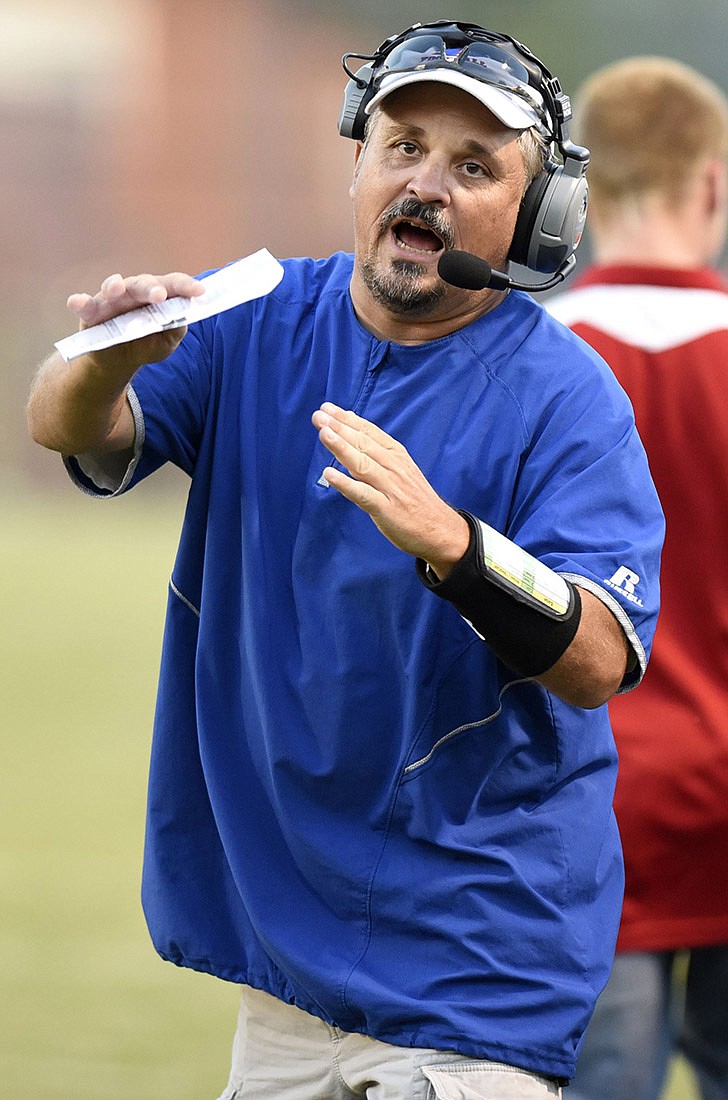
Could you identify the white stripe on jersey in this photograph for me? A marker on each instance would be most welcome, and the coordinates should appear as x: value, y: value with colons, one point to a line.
x: 651, y: 317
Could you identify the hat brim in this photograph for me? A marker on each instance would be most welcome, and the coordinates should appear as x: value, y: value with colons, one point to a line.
x: 513, y: 111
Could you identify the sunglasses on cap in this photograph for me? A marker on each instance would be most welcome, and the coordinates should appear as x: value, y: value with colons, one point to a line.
x: 485, y: 60
x: 481, y: 60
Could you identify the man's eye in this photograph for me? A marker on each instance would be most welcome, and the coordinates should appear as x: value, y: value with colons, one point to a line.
x: 473, y: 169
x: 407, y: 147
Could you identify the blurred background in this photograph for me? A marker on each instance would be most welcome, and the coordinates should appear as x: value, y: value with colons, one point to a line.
x: 153, y: 135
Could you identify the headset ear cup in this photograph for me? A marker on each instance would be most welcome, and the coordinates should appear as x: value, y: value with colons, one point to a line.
x: 551, y: 219
x: 527, y: 215
x: 357, y: 93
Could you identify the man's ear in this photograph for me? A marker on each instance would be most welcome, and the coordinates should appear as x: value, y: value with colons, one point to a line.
x: 717, y: 186
x: 711, y: 210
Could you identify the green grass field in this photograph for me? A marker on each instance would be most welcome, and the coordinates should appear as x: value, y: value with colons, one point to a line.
x: 88, y: 1011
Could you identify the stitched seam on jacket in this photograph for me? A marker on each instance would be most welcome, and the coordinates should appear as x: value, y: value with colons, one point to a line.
x: 183, y: 598
x: 466, y: 726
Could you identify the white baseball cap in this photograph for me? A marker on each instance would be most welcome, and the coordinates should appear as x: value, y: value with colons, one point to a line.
x: 516, y: 110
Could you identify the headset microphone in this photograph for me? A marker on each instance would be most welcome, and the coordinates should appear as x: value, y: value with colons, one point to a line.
x: 469, y: 272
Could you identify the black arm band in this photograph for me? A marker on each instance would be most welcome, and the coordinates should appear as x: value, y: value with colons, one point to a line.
x: 527, y: 614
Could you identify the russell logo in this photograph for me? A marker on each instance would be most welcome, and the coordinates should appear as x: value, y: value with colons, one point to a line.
x: 625, y: 581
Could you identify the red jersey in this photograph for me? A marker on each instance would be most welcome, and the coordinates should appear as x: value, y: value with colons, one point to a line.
x: 664, y: 332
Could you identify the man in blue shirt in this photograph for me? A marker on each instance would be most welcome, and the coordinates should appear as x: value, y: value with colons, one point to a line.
x: 382, y: 769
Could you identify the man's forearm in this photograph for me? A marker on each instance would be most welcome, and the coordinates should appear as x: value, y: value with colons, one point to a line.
x: 80, y: 406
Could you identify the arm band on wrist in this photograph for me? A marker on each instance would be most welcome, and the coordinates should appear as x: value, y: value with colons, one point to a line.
x: 524, y: 611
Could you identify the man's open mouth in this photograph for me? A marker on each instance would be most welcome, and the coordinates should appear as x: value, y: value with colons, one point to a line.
x: 415, y: 237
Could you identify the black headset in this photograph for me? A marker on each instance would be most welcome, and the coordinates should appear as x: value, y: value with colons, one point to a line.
x: 553, y: 211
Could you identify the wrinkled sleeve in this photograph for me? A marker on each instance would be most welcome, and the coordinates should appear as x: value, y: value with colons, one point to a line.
x: 169, y: 402
x: 585, y: 503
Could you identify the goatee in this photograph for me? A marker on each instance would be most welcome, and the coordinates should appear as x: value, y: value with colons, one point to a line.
x: 400, y: 288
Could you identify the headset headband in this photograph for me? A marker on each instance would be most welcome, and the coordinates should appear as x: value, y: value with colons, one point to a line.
x: 557, y: 104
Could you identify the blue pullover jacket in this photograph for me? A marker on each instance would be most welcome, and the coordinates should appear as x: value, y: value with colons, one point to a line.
x: 352, y: 804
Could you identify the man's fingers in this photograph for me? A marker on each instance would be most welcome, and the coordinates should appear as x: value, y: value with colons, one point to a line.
x: 360, y: 464
x: 113, y: 286
x: 77, y: 302
x: 358, y: 443
x: 155, y: 288
x: 346, y: 419
x: 361, y: 493
x: 119, y: 295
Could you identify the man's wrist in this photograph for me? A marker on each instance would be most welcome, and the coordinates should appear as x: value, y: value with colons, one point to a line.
x: 440, y: 565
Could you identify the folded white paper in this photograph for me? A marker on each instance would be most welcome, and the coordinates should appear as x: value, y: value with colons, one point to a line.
x: 249, y: 278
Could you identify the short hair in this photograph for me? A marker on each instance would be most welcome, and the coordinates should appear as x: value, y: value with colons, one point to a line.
x: 535, y: 147
x: 650, y: 124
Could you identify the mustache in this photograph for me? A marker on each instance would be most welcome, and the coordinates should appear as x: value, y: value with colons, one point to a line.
x: 429, y: 215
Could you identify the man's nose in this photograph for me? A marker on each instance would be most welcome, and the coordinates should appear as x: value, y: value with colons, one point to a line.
x: 430, y: 183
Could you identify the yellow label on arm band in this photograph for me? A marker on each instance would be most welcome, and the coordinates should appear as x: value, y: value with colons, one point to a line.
x: 520, y: 572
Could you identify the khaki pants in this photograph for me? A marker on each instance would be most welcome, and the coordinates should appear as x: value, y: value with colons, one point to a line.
x: 282, y: 1053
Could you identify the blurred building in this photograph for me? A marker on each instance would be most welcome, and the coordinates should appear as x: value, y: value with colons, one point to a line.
x: 155, y: 135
